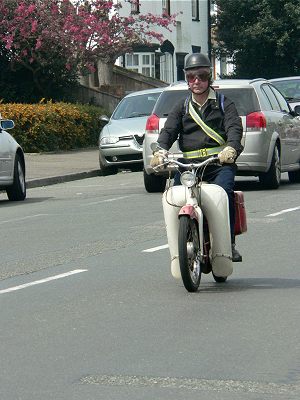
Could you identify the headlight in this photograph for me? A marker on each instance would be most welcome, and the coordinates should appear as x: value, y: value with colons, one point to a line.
x: 188, y: 179
x: 109, y: 140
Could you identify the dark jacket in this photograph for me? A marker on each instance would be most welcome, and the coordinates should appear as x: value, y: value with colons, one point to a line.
x: 180, y: 125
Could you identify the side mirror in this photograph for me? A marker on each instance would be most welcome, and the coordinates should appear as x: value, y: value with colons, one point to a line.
x: 104, y: 118
x: 7, y: 124
x: 297, y: 110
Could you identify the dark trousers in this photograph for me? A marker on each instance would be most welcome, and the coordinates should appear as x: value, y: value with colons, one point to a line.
x: 224, y: 177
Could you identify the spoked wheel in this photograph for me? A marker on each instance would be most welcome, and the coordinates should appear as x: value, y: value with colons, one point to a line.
x: 220, y: 279
x: 189, y: 251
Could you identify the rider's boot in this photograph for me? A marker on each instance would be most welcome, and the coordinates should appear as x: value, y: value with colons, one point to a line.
x: 236, y: 256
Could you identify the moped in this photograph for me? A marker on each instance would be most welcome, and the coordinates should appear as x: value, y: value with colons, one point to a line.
x: 197, y: 223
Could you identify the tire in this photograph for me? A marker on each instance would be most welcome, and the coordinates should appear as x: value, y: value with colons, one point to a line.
x: 188, y: 247
x: 17, y: 191
x: 154, y: 183
x: 104, y: 170
x: 136, y: 167
x: 294, y: 176
x: 220, y: 279
x: 271, y: 179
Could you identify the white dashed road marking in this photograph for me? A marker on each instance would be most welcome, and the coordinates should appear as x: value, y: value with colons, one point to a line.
x: 153, y: 249
x: 23, y: 218
x: 51, y: 278
x: 284, y: 211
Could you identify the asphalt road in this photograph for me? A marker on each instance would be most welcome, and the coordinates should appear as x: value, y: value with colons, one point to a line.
x: 89, y: 309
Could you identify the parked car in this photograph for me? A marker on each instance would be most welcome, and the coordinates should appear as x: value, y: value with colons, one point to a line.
x: 290, y: 88
x: 271, y: 131
x: 12, y: 164
x: 121, y: 139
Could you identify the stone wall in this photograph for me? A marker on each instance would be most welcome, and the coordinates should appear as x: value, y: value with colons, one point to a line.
x: 125, y: 81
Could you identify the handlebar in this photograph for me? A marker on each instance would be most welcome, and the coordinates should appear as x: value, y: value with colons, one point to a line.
x: 212, y: 159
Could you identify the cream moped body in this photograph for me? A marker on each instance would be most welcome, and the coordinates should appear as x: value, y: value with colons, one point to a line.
x: 206, y: 201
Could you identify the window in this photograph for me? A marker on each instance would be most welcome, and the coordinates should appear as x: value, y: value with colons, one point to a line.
x: 144, y: 63
x: 166, y: 7
x: 266, y: 90
x: 195, y: 10
x: 281, y: 100
x: 135, y: 7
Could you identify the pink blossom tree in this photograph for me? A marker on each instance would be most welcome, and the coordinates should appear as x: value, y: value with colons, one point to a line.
x: 63, y: 37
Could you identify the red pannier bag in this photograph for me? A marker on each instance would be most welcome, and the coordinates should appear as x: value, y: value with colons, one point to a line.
x: 240, y: 225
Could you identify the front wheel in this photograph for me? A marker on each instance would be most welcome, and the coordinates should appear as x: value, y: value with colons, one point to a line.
x: 107, y: 170
x: 189, y: 252
x: 294, y: 176
x: 17, y: 191
x: 154, y: 183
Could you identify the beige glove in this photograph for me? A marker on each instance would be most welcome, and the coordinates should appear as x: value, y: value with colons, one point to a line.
x: 227, y: 155
x: 158, y: 158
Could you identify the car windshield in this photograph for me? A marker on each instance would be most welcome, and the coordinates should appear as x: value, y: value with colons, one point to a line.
x: 289, y: 88
x: 135, y: 106
x: 244, y: 99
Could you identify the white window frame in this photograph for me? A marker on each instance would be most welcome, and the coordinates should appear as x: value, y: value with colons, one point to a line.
x: 165, y: 6
x: 195, y: 10
x: 135, y: 8
x: 142, y: 66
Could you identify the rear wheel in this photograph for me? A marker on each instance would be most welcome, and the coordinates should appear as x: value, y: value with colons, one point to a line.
x: 189, y: 251
x: 17, y: 191
x: 271, y: 179
x: 154, y: 183
x: 294, y: 176
x: 220, y: 279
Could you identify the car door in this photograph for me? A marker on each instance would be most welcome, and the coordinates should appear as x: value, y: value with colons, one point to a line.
x: 291, y: 133
x: 278, y: 123
x: 6, y: 156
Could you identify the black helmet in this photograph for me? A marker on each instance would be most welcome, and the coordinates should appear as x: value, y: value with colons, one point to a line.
x: 196, y: 60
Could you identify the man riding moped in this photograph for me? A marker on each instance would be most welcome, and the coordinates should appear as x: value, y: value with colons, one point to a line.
x: 205, y: 124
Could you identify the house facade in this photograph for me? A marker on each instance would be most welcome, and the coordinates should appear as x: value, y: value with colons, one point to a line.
x: 192, y: 33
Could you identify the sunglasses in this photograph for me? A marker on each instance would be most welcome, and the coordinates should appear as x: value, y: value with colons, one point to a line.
x: 191, y: 76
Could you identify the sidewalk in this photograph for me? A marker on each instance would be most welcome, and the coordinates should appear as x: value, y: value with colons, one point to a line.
x: 49, y: 168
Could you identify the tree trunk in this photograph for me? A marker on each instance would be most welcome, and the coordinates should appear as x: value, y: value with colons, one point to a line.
x: 105, y: 74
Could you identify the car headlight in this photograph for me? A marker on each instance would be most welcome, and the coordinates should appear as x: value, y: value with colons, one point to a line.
x: 188, y: 179
x: 109, y: 140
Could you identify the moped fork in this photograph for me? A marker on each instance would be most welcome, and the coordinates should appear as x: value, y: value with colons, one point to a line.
x: 195, y: 212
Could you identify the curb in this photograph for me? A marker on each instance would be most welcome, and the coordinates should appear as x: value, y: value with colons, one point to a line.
x: 52, y: 180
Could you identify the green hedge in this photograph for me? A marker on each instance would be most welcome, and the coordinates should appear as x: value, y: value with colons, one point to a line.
x: 54, y: 126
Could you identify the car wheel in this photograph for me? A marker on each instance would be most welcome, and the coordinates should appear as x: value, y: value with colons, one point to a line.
x: 17, y: 191
x: 136, y: 167
x: 271, y: 179
x: 105, y: 170
x: 154, y: 183
x: 294, y: 176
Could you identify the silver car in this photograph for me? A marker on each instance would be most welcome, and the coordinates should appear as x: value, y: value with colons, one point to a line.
x: 121, y: 140
x: 290, y: 88
x: 12, y: 164
x: 271, y: 131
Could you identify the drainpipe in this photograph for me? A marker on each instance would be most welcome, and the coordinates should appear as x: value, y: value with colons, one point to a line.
x: 208, y: 29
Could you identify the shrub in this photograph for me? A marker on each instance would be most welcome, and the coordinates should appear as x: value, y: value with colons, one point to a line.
x: 54, y: 126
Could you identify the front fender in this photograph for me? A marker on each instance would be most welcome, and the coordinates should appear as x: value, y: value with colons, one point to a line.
x: 188, y: 210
